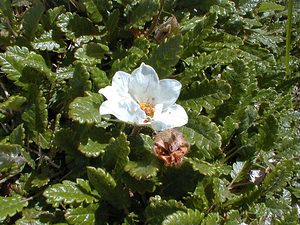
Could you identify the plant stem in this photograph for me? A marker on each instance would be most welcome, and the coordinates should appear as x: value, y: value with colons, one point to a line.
x: 288, y: 39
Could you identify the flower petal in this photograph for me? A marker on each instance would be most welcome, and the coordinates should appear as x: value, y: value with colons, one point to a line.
x: 119, y: 88
x: 110, y: 92
x: 168, y: 93
x: 125, y: 110
x: 120, y: 81
x: 143, y: 83
x: 174, y: 116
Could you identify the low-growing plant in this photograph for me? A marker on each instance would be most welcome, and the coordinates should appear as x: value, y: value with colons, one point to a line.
x: 62, y: 162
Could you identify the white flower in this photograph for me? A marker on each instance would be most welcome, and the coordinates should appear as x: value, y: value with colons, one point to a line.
x: 142, y: 99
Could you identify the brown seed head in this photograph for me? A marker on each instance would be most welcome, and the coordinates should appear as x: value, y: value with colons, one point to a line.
x: 170, y: 147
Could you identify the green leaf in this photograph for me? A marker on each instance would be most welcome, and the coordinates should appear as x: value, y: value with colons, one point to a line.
x: 92, y: 10
x: 13, y: 103
x: 142, y: 170
x: 16, y: 60
x: 107, y: 187
x: 220, y: 41
x: 41, y: 179
x: 10, y: 159
x: 68, y: 193
x: 140, y: 186
x: 86, y: 109
x: 166, y: 56
x: 239, y: 171
x: 99, y: 78
x: 101, y: 180
x: 6, y: 9
x: 197, y: 30
x: 32, y: 18
x: 49, y: 19
x: 133, y: 56
x: 143, y: 12
x: 268, y: 133
x: 9, y: 206
x: 35, y: 116
x: 91, y: 53
x: 45, y: 42
x: 80, y: 81
x: 116, y: 153
x: 184, y: 218
x: 159, y: 209
x: 75, y: 26
x: 198, y: 198
x: 221, y: 191
x: 212, y: 219
x: 209, y: 169
x: 113, y: 22
x: 269, y: 6
x: 278, y: 177
x: 92, y: 148
x: 208, y: 94
x: 204, y: 134
x: 81, y: 215
x: 17, y: 136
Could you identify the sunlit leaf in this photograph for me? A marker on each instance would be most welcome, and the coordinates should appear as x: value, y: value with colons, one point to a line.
x: 9, y: 206
x: 46, y: 42
x: 67, y: 192
x: 270, y: 6
x: 86, y: 109
x: 81, y: 215
x: 189, y: 217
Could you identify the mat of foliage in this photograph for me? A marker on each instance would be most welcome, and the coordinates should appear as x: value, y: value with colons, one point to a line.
x: 62, y: 163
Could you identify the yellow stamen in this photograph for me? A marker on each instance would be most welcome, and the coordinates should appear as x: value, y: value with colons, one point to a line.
x: 148, y: 109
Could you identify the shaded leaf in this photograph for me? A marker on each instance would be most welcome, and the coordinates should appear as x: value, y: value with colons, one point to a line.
x: 17, y: 136
x: 166, y: 56
x: 31, y: 19
x: 143, y: 12
x: 35, y: 116
x: 80, y: 81
x: 116, y: 153
x: 133, y: 56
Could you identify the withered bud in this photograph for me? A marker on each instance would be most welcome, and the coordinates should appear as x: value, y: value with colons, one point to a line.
x: 170, y: 147
x: 166, y: 30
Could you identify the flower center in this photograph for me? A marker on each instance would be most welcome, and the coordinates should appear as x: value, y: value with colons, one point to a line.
x: 148, y: 109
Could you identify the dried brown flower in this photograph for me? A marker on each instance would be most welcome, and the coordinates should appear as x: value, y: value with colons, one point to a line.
x: 166, y: 30
x: 170, y: 147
